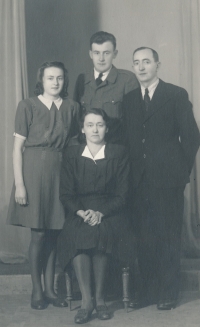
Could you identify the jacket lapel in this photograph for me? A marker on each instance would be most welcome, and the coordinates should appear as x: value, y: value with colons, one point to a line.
x: 159, y: 99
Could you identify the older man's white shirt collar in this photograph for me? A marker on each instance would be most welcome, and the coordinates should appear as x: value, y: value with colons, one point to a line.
x: 100, y: 154
x: 151, y: 88
x: 48, y: 103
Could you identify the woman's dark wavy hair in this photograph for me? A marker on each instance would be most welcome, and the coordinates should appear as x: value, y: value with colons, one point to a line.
x: 95, y: 111
x: 39, y: 89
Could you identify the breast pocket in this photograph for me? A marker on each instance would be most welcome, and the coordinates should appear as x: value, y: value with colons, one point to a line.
x: 113, y: 106
x: 85, y: 102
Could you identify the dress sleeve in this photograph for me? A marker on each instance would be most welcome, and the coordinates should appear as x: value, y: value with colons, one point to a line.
x: 119, y: 199
x: 68, y: 192
x: 23, y: 118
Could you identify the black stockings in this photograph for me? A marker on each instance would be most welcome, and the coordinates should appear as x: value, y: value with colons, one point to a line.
x: 42, y: 256
x: 85, y: 264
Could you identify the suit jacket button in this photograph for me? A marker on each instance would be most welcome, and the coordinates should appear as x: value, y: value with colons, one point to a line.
x: 144, y: 156
x: 143, y: 140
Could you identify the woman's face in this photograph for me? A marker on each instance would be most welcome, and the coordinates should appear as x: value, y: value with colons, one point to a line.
x: 94, y: 128
x: 53, y: 81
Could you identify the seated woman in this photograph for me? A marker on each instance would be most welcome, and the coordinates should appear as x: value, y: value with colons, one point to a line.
x: 93, y: 191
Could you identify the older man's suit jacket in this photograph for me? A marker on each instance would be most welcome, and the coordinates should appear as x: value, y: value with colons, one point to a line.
x: 162, y: 141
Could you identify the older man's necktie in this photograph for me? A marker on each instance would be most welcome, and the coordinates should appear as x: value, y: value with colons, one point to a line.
x: 98, y: 79
x: 146, y: 99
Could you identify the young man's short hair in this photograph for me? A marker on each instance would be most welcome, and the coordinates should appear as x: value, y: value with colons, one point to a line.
x: 101, y: 37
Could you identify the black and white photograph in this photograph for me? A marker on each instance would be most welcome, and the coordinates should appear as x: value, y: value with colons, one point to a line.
x: 100, y: 163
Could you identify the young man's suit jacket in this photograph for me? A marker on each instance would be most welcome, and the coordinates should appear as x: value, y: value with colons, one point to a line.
x: 162, y: 141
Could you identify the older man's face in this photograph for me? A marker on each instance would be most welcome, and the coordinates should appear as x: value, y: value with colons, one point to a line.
x: 145, y: 67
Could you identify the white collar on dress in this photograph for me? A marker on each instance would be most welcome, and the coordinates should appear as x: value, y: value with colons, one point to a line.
x: 100, y: 154
x: 48, y: 103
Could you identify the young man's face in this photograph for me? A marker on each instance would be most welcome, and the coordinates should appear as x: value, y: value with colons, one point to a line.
x: 145, y: 67
x: 102, y: 56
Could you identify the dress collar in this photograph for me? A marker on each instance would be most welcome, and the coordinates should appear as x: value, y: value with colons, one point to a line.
x: 48, y: 103
x: 100, y: 154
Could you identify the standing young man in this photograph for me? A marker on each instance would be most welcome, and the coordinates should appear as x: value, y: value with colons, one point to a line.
x: 163, y: 139
x: 105, y: 86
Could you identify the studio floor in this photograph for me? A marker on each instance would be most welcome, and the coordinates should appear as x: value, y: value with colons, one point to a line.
x: 15, y: 311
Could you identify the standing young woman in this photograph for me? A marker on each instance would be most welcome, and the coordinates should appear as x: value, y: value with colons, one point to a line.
x: 93, y: 191
x: 43, y: 127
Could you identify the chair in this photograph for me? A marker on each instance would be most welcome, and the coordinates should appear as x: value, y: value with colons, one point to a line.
x: 125, y: 286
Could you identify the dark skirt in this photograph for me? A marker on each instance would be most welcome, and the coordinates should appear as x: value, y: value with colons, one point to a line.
x: 113, y: 236
x: 41, y: 172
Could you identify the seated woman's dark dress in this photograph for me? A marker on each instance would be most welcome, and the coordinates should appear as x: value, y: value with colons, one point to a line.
x: 100, y: 185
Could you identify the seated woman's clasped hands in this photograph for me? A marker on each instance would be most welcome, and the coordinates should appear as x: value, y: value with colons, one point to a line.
x: 90, y: 217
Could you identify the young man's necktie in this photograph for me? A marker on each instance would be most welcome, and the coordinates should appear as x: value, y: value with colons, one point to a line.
x: 98, y: 79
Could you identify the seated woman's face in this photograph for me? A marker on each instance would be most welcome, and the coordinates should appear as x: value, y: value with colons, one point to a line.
x: 94, y: 128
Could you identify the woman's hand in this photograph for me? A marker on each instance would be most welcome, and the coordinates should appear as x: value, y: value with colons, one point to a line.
x: 93, y: 217
x: 90, y: 217
x: 20, y: 192
x: 21, y: 195
x: 100, y: 216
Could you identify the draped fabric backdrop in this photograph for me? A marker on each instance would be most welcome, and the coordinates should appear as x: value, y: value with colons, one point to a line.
x: 190, y: 79
x: 13, y: 87
x: 60, y: 30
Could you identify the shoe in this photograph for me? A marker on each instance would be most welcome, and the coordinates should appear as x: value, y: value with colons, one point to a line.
x: 138, y: 303
x: 82, y: 316
x: 102, y: 312
x: 57, y: 302
x: 38, y: 304
x: 166, y: 305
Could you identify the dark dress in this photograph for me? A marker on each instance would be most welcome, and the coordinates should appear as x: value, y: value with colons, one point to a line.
x: 47, y: 132
x: 100, y: 185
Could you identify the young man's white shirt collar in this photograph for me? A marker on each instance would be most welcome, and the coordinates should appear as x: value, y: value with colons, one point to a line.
x: 151, y: 88
x: 105, y: 74
x: 100, y: 154
x: 48, y: 102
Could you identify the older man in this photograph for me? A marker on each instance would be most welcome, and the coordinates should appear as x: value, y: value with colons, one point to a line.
x: 163, y: 139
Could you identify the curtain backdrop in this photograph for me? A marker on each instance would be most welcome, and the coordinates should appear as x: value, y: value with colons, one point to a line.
x: 13, y: 87
x: 172, y: 27
x: 190, y: 79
